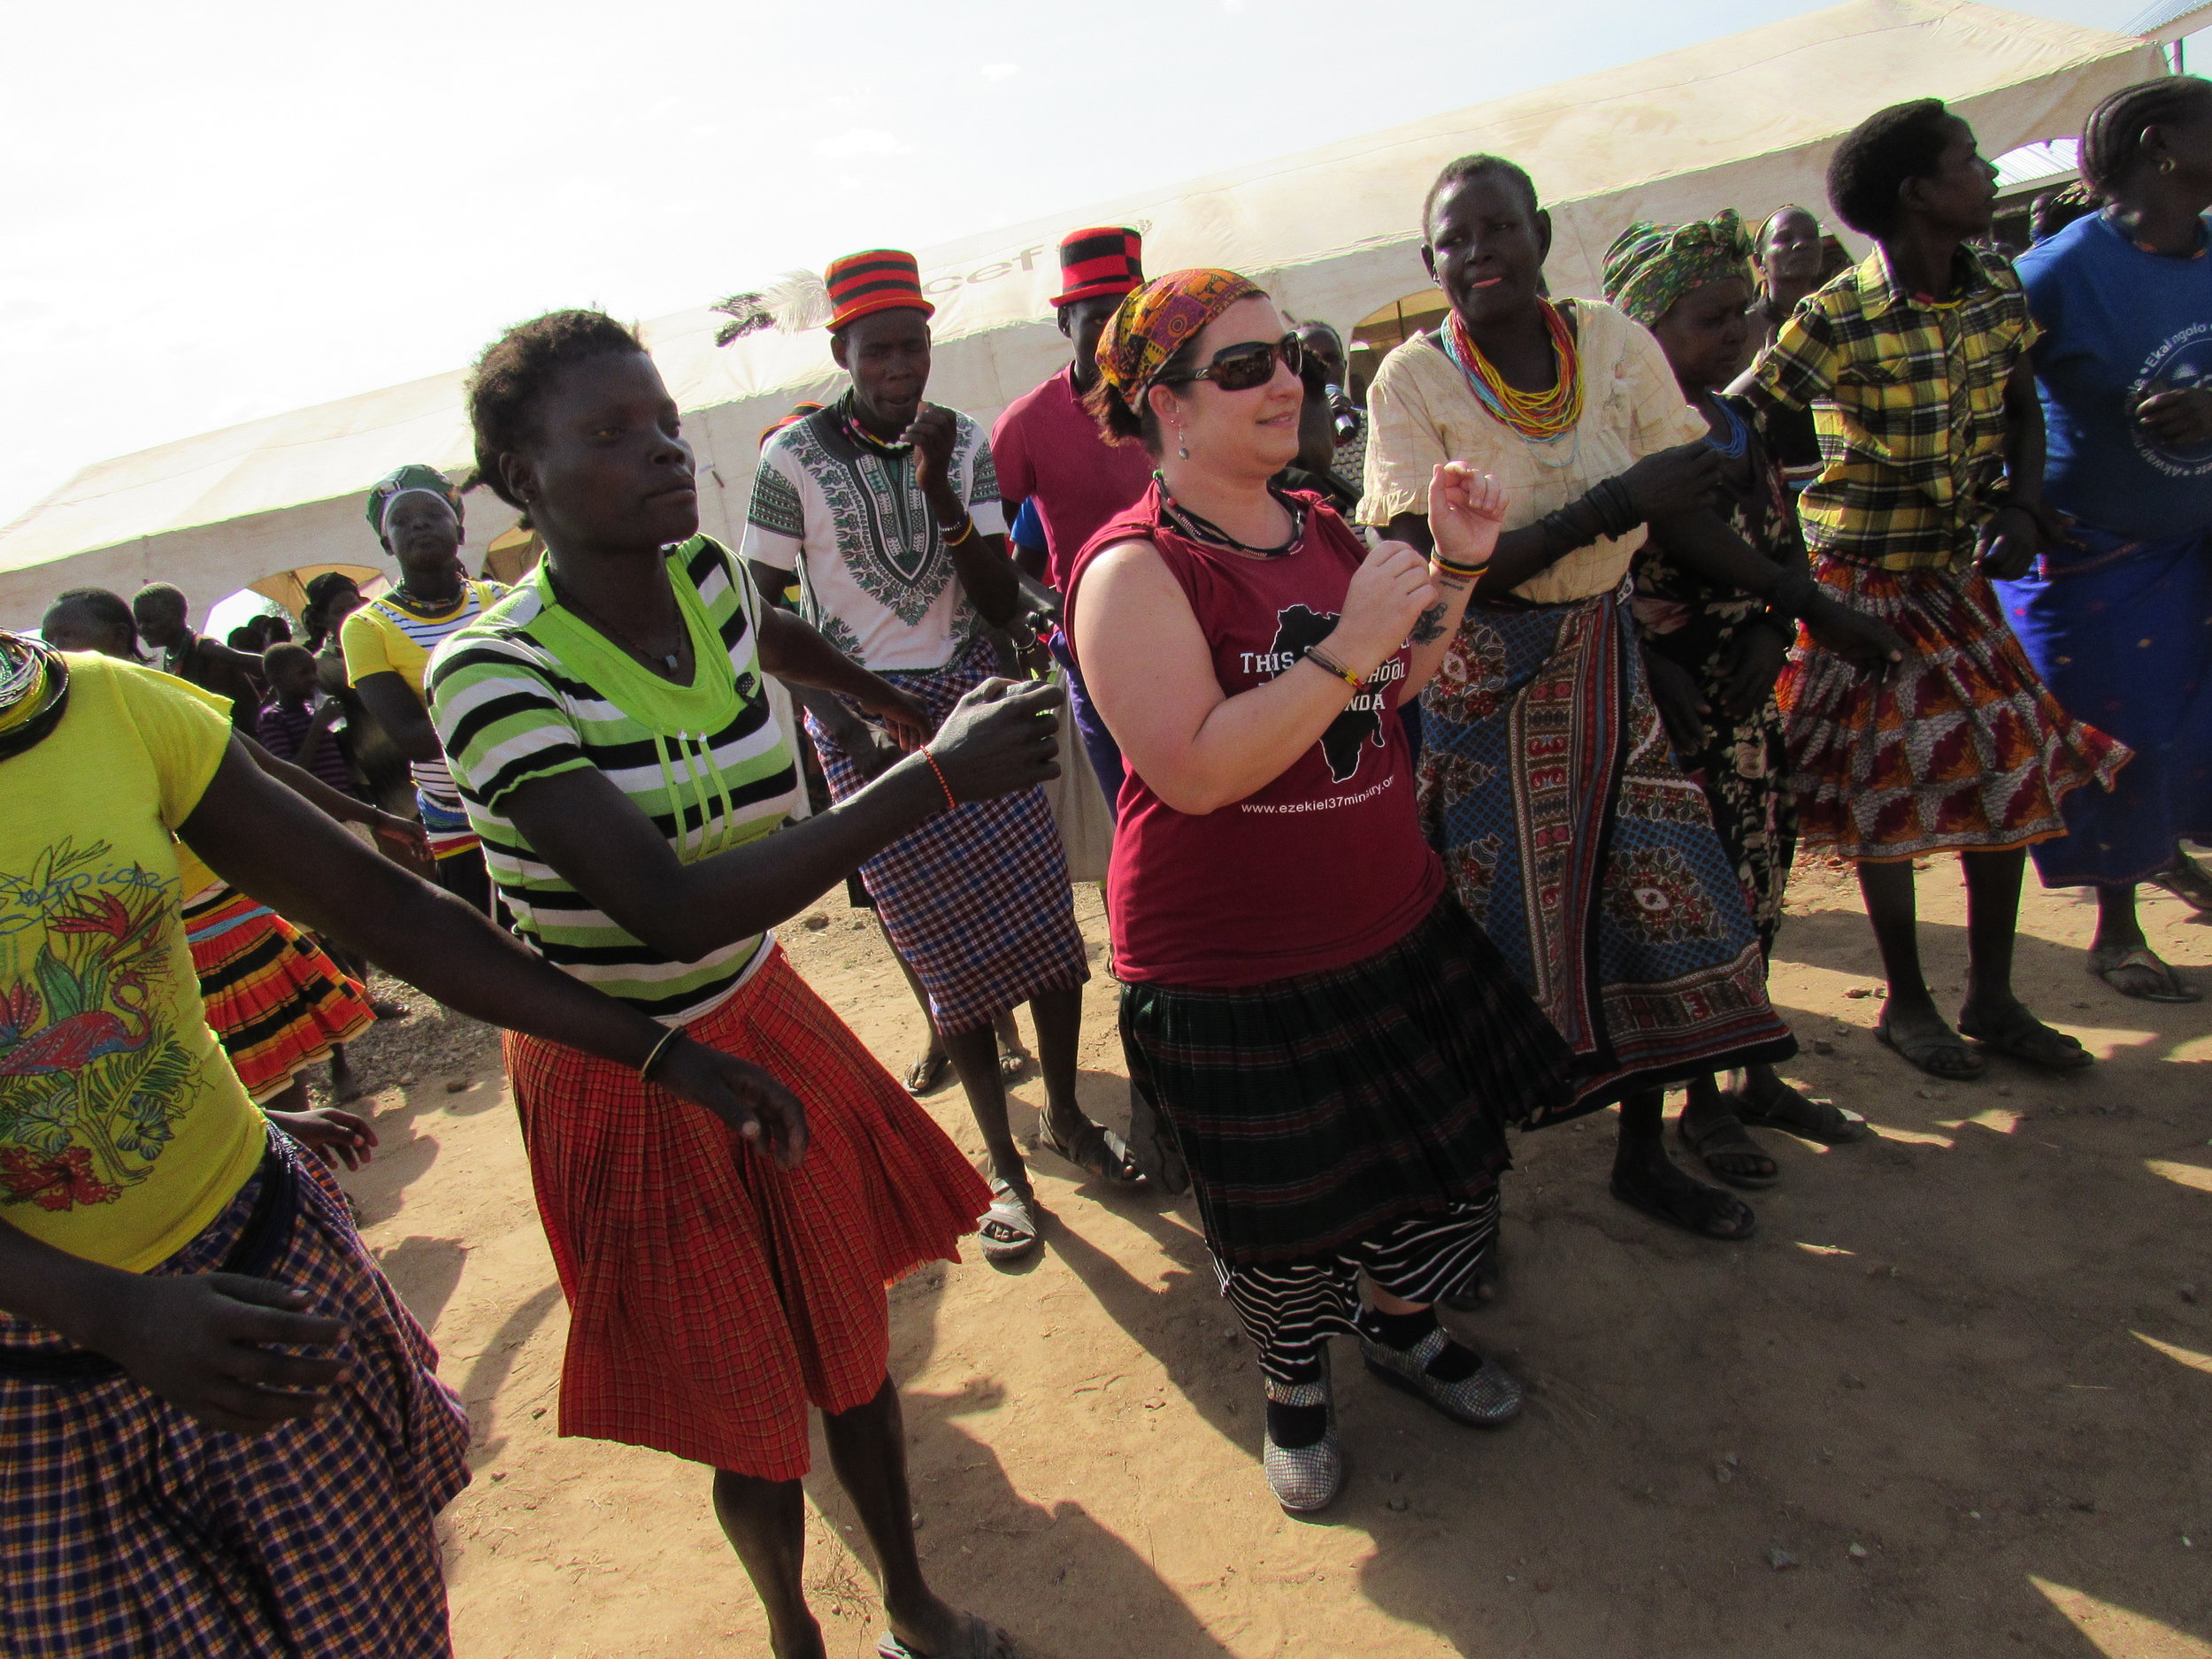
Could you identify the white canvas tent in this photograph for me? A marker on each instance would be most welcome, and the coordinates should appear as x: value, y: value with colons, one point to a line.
x: 1746, y: 121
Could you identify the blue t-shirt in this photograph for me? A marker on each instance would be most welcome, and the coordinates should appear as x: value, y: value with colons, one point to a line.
x: 1028, y: 529
x: 2119, y: 324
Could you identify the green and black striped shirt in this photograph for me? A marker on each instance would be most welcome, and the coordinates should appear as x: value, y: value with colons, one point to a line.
x: 530, y: 690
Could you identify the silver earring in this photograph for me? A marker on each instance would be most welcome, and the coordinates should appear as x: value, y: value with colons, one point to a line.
x: 1181, y: 448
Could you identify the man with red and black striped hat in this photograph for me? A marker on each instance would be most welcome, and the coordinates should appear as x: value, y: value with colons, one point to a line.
x: 887, y: 508
x: 1051, y: 453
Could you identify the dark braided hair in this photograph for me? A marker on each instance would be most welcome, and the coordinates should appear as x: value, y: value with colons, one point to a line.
x: 1871, y: 165
x: 515, y: 369
x: 1479, y: 167
x: 2112, y: 139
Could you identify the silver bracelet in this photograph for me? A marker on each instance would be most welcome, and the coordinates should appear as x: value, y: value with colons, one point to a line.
x: 645, y: 1071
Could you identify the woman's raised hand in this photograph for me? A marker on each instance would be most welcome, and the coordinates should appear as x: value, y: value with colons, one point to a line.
x: 1466, y: 512
x: 999, y: 738
x: 1389, y: 591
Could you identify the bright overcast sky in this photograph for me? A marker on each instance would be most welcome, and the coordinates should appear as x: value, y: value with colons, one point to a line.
x: 216, y: 212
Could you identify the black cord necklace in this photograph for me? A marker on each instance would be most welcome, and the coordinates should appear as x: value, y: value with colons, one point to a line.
x: 1199, y: 528
x: 655, y: 660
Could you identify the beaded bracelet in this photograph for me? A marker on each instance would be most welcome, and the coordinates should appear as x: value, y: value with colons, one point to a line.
x: 966, y: 529
x: 1328, y: 665
x: 952, y: 802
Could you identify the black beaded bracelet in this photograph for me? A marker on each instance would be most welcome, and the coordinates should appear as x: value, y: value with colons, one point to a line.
x: 1616, y: 507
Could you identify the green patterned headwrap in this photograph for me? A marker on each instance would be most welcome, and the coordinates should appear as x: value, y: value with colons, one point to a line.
x: 1650, y: 267
x: 406, y: 481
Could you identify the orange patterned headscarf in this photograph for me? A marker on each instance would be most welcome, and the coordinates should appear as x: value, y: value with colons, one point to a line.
x: 1154, y: 321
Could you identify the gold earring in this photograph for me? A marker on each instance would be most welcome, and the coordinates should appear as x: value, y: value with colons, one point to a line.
x: 2166, y: 164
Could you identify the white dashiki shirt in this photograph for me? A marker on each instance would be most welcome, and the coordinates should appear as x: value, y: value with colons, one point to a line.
x: 845, y: 510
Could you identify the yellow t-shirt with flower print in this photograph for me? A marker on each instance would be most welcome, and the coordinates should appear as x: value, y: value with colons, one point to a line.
x: 123, y: 1129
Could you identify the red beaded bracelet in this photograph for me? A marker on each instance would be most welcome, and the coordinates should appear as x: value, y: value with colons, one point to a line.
x: 952, y: 802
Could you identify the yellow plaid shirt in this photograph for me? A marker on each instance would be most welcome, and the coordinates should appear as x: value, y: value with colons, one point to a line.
x: 1907, y: 397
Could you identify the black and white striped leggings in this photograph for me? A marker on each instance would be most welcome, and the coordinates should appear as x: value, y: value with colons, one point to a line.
x: 1290, y: 1309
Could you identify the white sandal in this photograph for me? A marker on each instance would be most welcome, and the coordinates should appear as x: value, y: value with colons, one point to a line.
x: 1016, y: 1214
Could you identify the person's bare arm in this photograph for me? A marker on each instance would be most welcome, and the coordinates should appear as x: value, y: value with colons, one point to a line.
x: 203, y: 1341
x: 1705, y: 545
x: 1670, y: 481
x: 311, y: 750
x: 795, y: 653
x: 397, y: 707
x: 1466, y: 508
x: 1150, y: 672
x: 2015, y: 533
x: 978, y: 560
x: 266, y: 841
x: 200, y: 1341
x: 998, y: 739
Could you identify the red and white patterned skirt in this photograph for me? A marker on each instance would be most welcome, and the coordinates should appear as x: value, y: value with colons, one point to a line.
x: 1959, y: 746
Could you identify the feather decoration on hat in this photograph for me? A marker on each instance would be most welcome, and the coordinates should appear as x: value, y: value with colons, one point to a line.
x: 794, y: 302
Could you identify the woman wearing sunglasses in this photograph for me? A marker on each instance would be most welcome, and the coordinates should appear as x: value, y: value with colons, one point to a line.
x: 1333, y: 1046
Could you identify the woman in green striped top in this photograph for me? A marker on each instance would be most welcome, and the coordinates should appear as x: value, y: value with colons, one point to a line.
x: 609, y: 730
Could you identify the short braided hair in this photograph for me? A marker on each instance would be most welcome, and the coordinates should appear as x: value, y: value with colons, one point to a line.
x: 1478, y: 167
x: 2112, y: 138
x: 1876, y: 156
x: 514, y: 373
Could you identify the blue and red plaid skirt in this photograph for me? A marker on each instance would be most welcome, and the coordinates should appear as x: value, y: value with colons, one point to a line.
x: 977, y: 901
x: 130, y: 1527
x: 711, y: 1296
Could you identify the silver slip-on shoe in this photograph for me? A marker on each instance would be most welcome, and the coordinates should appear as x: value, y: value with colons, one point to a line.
x: 1305, y: 1478
x: 1489, y: 1399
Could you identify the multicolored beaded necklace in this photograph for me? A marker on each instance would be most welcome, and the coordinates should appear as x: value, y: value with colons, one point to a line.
x: 1543, y: 416
x: 34, y: 693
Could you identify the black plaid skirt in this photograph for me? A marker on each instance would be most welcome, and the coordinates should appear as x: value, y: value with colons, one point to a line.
x: 1319, y: 1110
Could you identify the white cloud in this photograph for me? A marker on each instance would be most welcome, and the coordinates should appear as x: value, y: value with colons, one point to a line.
x: 862, y: 141
x: 1000, y: 72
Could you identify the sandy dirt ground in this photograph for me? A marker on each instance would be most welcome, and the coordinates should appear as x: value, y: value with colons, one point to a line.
x: 1950, y: 1400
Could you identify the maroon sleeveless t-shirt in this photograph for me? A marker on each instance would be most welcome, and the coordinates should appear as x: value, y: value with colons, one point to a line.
x: 1324, y: 866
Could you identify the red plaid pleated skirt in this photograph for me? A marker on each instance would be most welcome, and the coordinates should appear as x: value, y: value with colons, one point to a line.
x: 711, y: 1296
x: 130, y: 1528
x: 274, y: 998
x: 1961, y: 746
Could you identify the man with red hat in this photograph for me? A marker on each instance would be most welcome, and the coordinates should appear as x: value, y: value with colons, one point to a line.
x: 887, y: 508
x: 1051, y: 453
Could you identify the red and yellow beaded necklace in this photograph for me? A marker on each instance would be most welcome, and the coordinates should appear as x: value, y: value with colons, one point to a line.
x: 1545, y: 415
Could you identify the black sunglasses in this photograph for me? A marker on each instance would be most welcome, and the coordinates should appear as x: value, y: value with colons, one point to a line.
x: 1239, y: 368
